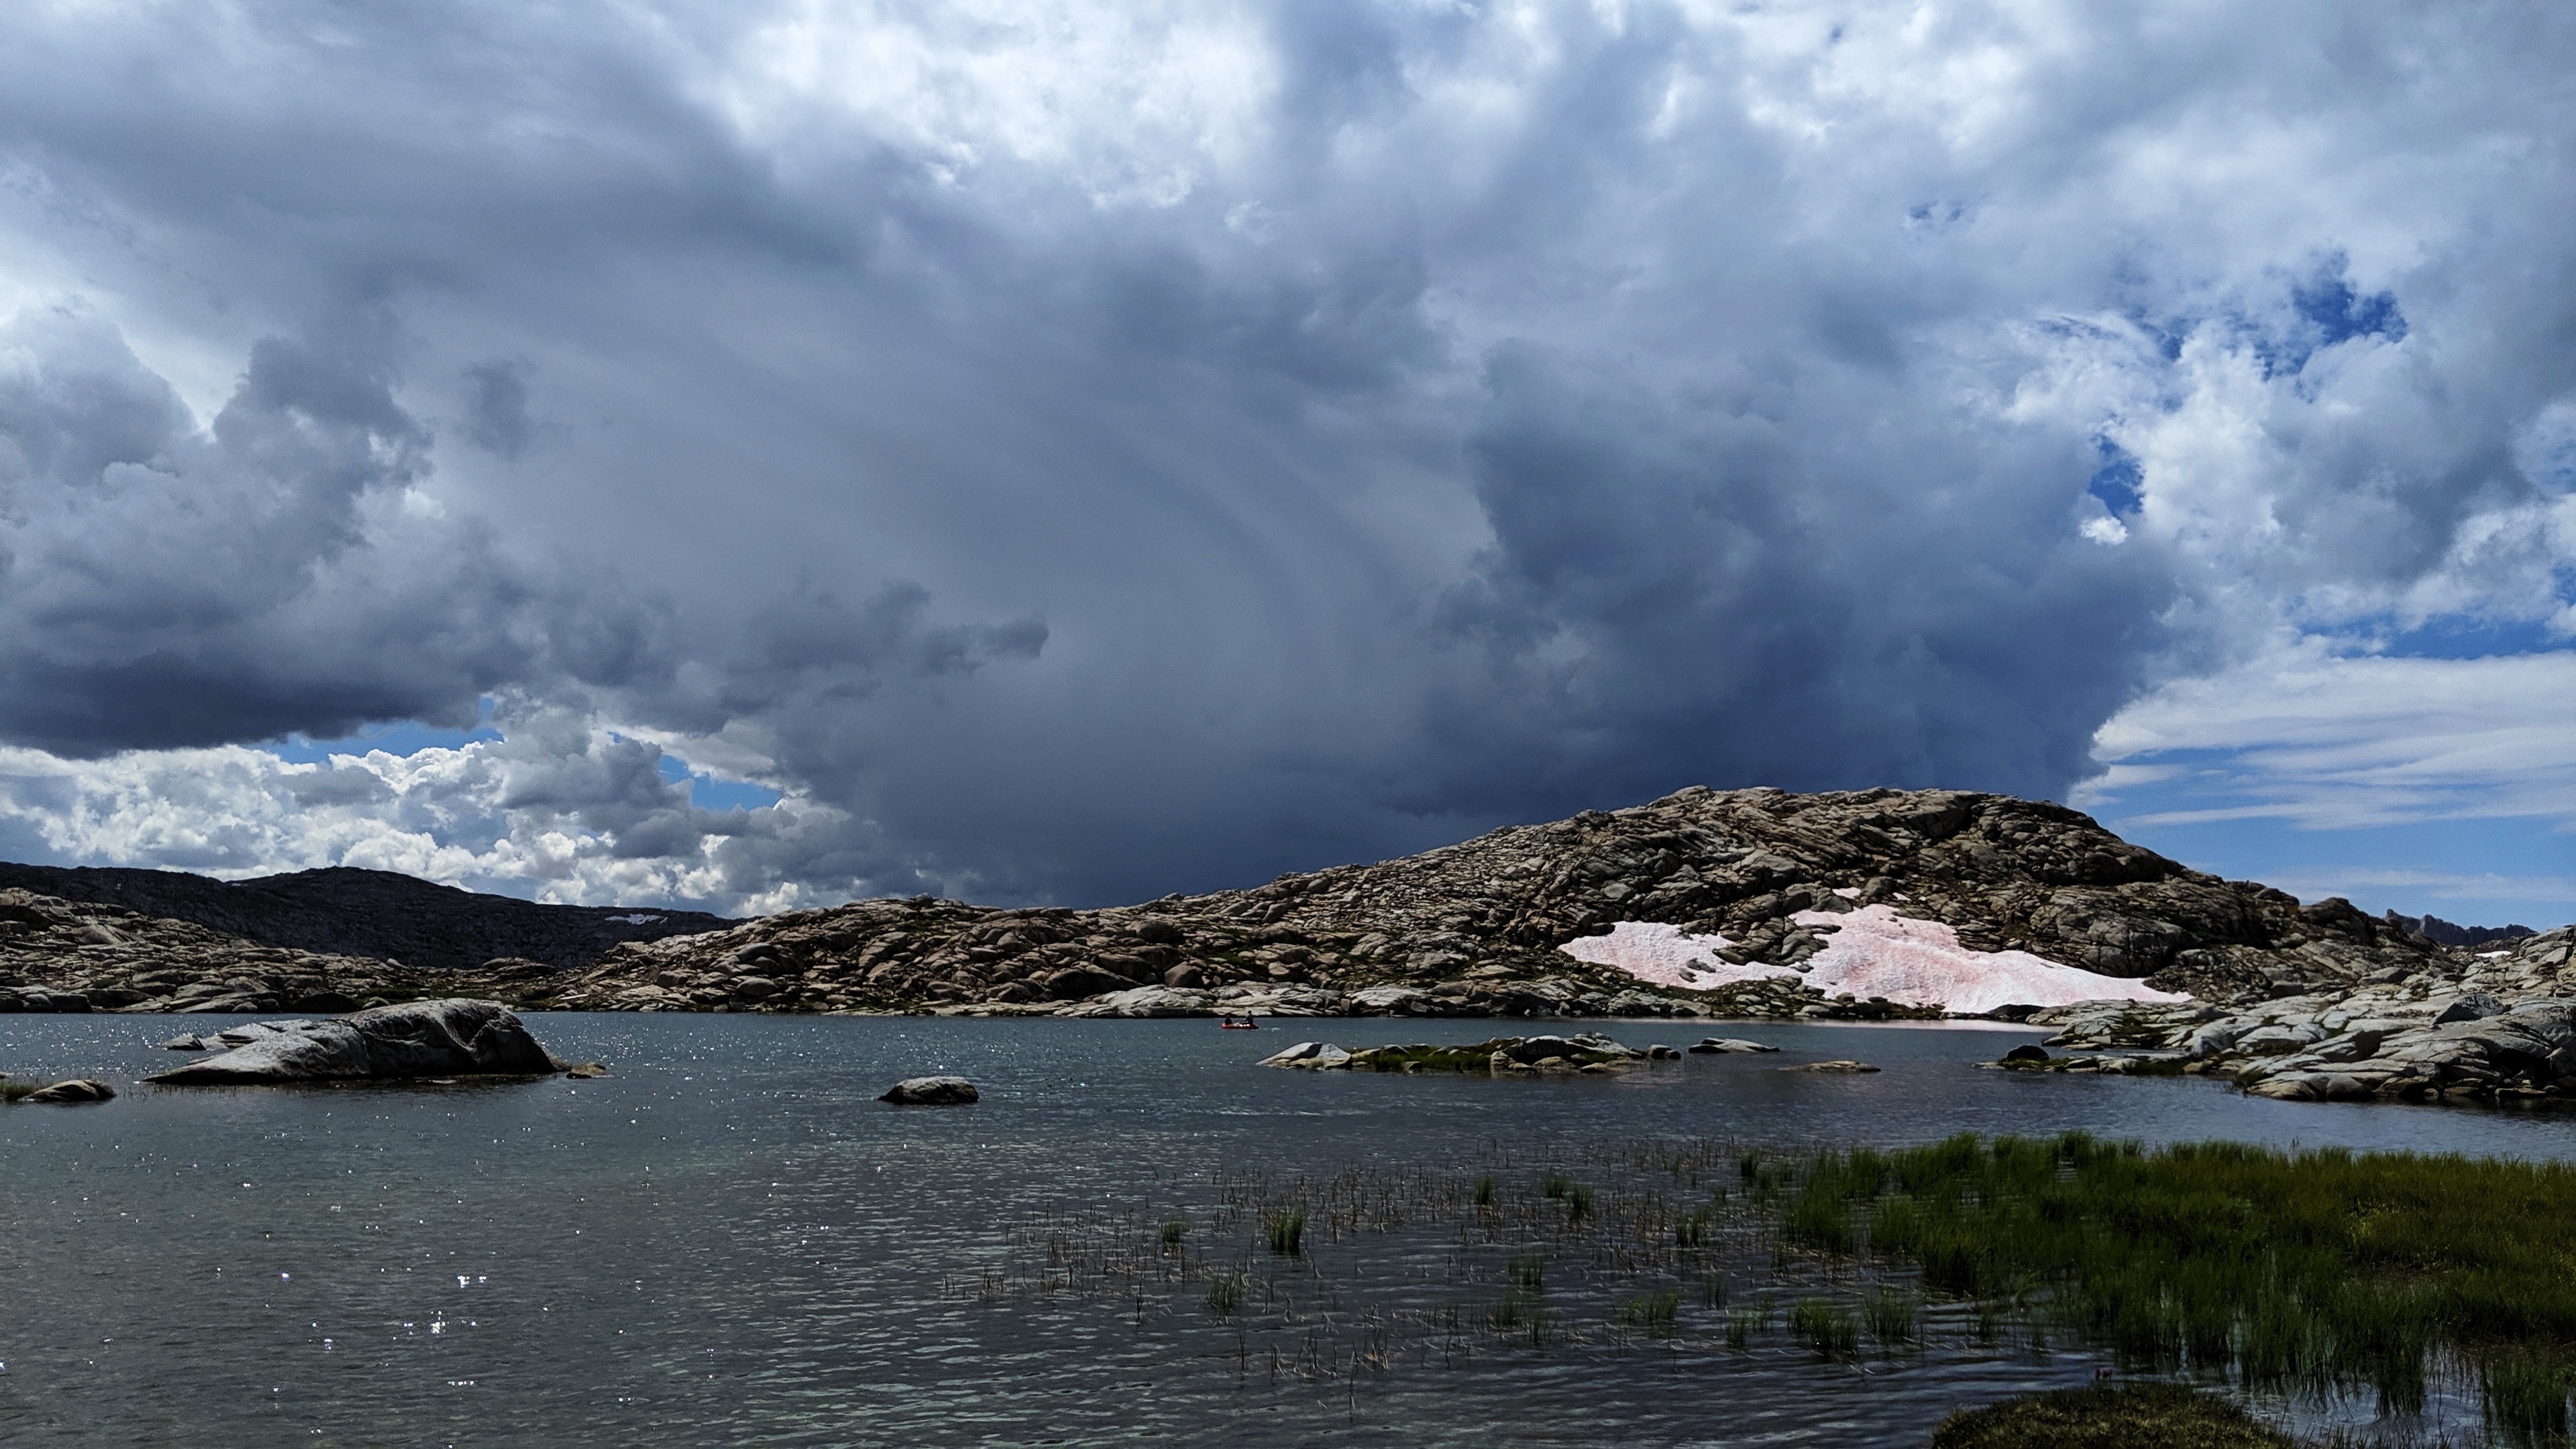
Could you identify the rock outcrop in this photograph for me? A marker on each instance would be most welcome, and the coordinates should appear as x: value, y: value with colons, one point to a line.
x: 450, y: 1038
x: 1501, y: 1056
x: 2497, y: 1028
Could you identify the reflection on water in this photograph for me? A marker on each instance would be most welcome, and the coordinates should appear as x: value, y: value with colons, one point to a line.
x: 728, y: 1240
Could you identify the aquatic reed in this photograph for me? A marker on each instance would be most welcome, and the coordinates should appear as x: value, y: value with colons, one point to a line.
x: 2296, y: 1272
x: 1656, y: 1313
x: 1287, y: 1232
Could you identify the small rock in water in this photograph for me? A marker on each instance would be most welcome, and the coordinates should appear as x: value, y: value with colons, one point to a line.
x: 1731, y: 1044
x: 930, y: 1092
x: 2027, y: 1052
x: 1662, y: 1053
x: 77, y: 1090
x: 586, y: 1070
x: 1838, y: 1066
x: 184, y: 1044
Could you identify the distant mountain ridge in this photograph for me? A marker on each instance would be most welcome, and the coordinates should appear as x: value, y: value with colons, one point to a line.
x: 346, y: 911
x: 2434, y: 928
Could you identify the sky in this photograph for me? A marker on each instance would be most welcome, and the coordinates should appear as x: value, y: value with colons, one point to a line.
x: 762, y: 453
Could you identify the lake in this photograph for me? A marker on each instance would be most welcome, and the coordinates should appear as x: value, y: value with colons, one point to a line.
x: 729, y: 1241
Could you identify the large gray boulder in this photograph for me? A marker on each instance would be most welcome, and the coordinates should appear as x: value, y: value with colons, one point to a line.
x: 451, y: 1038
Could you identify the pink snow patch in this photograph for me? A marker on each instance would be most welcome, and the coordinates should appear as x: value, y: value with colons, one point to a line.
x: 1667, y: 956
x: 1872, y: 952
x: 1921, y: 963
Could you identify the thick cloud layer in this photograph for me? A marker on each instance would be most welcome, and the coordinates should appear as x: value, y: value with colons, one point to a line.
x: 1077, y: 451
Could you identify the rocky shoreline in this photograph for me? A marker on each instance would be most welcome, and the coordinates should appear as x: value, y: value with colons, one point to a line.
x: 2501, y: 1031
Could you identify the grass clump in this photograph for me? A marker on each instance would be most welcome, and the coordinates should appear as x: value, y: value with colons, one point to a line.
x: 1286, y: 1231
x: 1553, y: 1184
x: 15, y: 1091
x: 1486, y: 1192
x: 1742, y: 1324
x: 1225, y: 1294
x: 2107, y: 1416
x: 1528, y: 1271
x: 1657, y: 1313
x: 1173, y: 1233
x: 1825, y: 1326
x: 1890, y: 1316
x: 2288, y: 1272
x: 1690, y: 1230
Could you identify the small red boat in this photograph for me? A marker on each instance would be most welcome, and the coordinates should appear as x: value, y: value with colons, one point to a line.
x: 1238, y: 1024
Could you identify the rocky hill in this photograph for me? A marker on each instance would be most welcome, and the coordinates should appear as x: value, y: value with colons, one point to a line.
x: 1761, y: 880
x: 1475, y: 928
x: 349, y: 912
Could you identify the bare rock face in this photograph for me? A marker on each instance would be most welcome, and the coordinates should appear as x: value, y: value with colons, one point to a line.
x: 450, y: 1038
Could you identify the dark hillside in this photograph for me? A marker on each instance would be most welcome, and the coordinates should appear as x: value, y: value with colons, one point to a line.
x: 349, y: 912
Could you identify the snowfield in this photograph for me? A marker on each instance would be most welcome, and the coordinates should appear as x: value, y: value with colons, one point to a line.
x: 1871, y: 952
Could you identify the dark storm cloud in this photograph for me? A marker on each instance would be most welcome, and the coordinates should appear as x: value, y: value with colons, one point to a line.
x: 1088, y: 451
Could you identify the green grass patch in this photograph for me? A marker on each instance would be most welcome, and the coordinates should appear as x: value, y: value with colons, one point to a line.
x: 2105, y: 1416
x: 2291, y: 1272
x: 1173, y: 1233
x: 1742, y: 1324
x: 1528, y: 1271
x: 1826, y: 1327
x: 14, y: 1091
x: 1286, y: 1232
x: 1890, y: 1316
x: 1657, y: 1313
x: 1225, y: 1293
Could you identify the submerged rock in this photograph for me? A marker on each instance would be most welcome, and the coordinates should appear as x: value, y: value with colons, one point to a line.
x: 1833, y: 1066
x: 931, y: 1092
x: 450, y: 1038
x: 1730, y: 1044
x: 76, y: 1090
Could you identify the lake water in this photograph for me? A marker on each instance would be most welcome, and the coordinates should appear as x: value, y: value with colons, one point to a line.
x: 729, y: 1241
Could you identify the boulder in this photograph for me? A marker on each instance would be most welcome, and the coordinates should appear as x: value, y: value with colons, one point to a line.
x: 2027, y: 1052
x: 2471, y: 1006
x: 1185, y: 977
x: 450, y: 1038
x: 1312, y: 1056
x: 1834, y: 1066
x: 930, y: 1092
x: 1076, y: 982
x: 77, y: 1090
x: 1730, y: 1044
